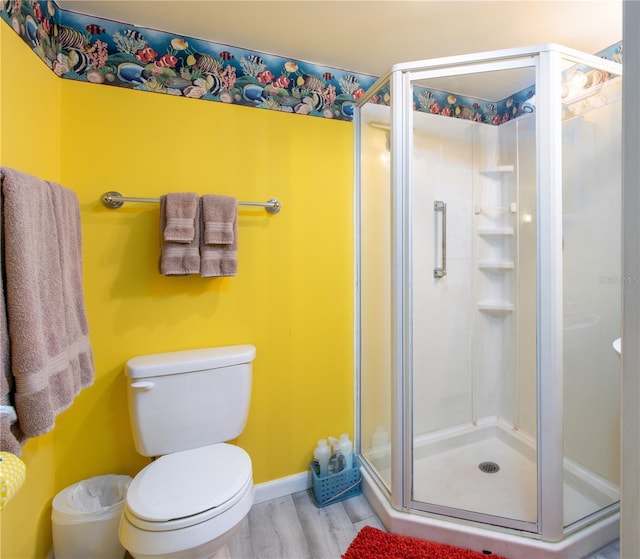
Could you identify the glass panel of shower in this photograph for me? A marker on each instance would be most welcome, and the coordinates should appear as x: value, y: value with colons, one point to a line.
x: 373, y: 304
x: 473, y: 304
x: 592, y: 284
x: 488, y: 288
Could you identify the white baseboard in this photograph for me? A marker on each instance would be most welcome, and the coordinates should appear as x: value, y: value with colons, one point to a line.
x: 282, y: 487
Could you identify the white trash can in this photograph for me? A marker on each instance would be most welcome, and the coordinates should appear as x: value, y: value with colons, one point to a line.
x: 85, y: 518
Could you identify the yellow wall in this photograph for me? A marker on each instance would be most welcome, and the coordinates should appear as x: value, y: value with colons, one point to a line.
x: 29, y: 110
x: 292, y: 298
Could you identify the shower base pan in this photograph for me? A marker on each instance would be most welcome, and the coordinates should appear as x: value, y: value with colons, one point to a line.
x: 491, y: 469
x: 447, y: 471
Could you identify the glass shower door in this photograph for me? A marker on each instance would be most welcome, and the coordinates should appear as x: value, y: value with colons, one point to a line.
x: 473, y: 442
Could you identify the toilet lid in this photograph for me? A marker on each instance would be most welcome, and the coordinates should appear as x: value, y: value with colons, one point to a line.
x: 189, y: 482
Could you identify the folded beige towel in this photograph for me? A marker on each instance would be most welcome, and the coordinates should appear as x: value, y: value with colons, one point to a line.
x: 179, y: 259
x: 50, y: 355
x: 218, y: 216
x: 180, y: 217
x: 218, y: 260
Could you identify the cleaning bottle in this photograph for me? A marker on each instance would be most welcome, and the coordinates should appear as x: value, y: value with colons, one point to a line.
x: 337, y: 462
x: 346, y: 448
x: 321, y: 454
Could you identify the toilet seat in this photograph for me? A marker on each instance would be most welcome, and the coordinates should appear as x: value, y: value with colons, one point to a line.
x: 188, y: 487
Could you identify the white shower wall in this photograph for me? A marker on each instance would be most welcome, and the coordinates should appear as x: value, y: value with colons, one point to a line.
x: 465, y: 325
x: 443, y: 315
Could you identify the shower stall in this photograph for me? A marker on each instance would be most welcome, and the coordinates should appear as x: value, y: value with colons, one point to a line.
x: 488, y: 300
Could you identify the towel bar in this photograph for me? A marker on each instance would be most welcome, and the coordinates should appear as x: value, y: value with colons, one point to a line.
x: 114, y: 200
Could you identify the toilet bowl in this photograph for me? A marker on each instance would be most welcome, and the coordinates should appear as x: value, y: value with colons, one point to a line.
x: 183, y: 406
x: 188, y: 504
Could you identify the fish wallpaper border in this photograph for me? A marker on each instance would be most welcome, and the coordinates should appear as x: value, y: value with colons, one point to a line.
x: 100, y: 51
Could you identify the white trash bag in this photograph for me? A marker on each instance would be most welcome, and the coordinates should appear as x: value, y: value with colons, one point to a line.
x: 95, y: 496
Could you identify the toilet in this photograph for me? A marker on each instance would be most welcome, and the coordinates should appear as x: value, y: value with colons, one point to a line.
x: 183, y: 406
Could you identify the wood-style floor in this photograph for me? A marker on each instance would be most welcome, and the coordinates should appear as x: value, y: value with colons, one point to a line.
x: 292, y: 527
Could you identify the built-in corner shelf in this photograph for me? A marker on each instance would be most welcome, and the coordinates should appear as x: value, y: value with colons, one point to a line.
x: 495, y: 266
x: 495, y: 307
x: 497, y: 169
x: 495, y: 231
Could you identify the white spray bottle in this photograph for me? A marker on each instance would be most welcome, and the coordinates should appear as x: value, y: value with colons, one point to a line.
x: 337, y: 462
x: 346, y: 448
x: 322, y: 453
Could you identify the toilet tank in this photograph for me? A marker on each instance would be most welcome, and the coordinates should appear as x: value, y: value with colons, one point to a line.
x: 188, y: 399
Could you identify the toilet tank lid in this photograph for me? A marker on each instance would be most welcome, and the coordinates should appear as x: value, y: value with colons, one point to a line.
x: 190, y: 360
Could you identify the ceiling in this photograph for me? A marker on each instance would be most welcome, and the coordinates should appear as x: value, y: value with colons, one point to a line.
x: 368, y: 37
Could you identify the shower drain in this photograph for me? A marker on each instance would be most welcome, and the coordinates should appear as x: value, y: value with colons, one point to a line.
x: 488, y: 467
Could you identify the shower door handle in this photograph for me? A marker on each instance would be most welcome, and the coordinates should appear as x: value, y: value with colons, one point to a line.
x: 440, y: 206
